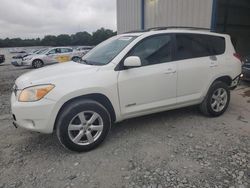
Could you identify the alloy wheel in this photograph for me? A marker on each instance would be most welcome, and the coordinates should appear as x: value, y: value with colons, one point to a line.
x: 85, y: 128
x: 219, y: 100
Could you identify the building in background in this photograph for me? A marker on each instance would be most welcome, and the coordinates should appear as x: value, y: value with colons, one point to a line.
x: 224, y: 16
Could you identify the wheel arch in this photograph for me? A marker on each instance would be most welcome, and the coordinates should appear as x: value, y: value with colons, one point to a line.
x: 223, y: 78
x: 98, y: 97
x: 226, y: 79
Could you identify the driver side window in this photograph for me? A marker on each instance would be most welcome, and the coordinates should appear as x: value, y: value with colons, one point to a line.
x: 51, y: 52
x: 154, y: 50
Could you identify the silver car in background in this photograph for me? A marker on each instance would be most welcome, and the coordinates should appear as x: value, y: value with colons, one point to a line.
x: 50, y: 56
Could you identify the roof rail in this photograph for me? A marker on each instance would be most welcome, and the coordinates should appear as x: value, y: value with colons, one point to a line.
x: 135, y: 31
x: 177, y: 27
x: 168, y: 27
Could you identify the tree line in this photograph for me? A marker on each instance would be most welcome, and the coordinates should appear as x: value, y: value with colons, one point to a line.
x: 80, y: 38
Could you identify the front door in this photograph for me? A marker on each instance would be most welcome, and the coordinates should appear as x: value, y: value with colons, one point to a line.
x: 52, y: 56
x: 153, y: 85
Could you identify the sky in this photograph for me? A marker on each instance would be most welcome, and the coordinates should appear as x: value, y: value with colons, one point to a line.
x: 37, y: 18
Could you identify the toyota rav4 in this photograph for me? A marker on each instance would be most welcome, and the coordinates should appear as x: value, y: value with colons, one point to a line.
x: 129, y: 75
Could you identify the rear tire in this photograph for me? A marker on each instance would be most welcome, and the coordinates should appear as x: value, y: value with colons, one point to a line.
x: 217, y: 100
x: 37, y: 63
x: 83, y: 125
x: 76, y: 59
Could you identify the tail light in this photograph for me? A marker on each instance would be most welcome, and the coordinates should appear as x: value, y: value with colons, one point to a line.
x: 238, y: 56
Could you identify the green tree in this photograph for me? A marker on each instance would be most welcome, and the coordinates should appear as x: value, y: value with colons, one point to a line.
x: 63, y: 40
x: 49, y: 40
x: 101, y: 35
x: 81, y: 38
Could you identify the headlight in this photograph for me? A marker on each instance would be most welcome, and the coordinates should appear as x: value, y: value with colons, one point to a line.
x: 34, y: 93
x: 27, y: 58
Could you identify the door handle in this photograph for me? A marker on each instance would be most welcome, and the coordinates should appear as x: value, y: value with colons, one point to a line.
x: 213, y: 64
x: 170, y: 71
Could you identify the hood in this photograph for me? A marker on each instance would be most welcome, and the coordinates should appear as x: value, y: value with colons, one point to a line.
x: 34, y: 55
x: 54, y: 73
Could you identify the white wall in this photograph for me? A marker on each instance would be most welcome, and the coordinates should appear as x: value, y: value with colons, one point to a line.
x: 128, y: 15
x: 192, y: 13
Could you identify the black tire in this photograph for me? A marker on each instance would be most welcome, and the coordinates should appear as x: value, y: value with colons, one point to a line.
x: 206, y: 107
x: 37, y: 63
x: 71, y: 111
x: 76, y: 59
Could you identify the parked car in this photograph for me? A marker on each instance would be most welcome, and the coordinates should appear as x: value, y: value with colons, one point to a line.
x: 17, y: 60
x: 80, y: 52
x: 85, y: 49
x: 49, y: 56
x: 16, y: 51
x: 2, y: 58
x: 19, y: 55
x: 246, y: 68
x: 128, y: 75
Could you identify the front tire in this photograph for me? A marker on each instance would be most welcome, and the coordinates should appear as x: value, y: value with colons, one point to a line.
x: 217, y: 100
x: 37, y: 63
x: 83, y: 125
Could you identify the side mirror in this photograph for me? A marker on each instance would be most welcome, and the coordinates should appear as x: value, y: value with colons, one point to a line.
x: 132, y: 61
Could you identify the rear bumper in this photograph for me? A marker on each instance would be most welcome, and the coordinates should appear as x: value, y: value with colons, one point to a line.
x: 235, y: 82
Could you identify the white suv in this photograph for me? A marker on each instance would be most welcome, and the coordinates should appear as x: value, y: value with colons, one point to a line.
x: 128, y: 75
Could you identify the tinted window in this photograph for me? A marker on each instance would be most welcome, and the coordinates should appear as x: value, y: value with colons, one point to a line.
x: 195, y: 45
x: 154, y: 50
x: 217, y: 45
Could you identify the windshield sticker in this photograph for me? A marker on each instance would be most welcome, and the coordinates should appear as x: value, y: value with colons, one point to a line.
x: 125, y: 38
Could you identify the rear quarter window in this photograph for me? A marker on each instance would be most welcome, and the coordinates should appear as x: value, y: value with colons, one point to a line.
x: 190, y: 46
x: 217, y: 45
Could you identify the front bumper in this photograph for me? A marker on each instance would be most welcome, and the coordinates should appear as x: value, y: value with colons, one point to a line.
x: 26, y: 63
x: 20, y: 62
x: 34, y: 116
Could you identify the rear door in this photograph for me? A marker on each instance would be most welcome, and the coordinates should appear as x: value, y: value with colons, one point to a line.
x: 65, y: 55
x: 197, y: 60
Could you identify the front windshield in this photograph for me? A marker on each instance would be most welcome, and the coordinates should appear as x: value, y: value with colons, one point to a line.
x: 42, y: 51
x: 107, y: 51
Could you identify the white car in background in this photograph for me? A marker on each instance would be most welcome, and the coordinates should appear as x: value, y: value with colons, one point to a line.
x: 51, y: 56
x: 129, y: 75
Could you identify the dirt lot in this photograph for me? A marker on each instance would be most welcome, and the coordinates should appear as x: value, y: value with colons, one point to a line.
x: 180, y: 148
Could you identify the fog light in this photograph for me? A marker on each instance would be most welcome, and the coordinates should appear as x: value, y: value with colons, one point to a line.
x: 241, y: 76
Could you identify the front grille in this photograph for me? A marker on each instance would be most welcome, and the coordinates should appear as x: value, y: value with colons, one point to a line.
x: 14, y: 89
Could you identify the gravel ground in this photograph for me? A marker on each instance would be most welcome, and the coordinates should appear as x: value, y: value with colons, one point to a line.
x: 179, y: 148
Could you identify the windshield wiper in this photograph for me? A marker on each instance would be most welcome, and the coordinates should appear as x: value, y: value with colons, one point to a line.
x: 87, y: 62
x: 91, y: 62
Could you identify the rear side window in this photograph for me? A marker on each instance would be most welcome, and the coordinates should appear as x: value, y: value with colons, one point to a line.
x: 195, y: 45
x: 217, y: 45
